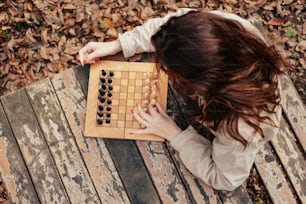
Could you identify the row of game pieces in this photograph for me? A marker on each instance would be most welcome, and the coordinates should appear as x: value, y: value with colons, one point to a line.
x: 105, y: 97
x: 149, y: 90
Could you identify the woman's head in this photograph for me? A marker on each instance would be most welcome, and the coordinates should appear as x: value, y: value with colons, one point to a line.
x: 218, y: 60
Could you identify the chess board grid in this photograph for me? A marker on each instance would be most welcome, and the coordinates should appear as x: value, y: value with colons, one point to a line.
x: 128, y: 87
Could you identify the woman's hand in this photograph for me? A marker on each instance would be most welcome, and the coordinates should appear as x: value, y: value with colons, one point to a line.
x: 92, y: 52
x: 156, y: 122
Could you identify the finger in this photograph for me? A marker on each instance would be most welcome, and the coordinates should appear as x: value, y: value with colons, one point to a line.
x: 140, y: 119
x: 83, y: 51
x: 152, y: 110
x: 160, y: 109
x: 143, y: 114
x: 140, y: 131
x: 93, y: 55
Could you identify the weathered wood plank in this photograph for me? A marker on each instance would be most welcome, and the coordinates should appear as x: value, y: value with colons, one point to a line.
x: 273, y: 177
x: 34, y: 149
x: 239, y: 195
x: 197, y: 190
x: 294, y: 109
x: 97, y: 159
x: 61, y: 143
x: 127, y: 160
x: 163, y: 172
x: 292, y: 159
x: 132, y: 171
x: 12, y: 167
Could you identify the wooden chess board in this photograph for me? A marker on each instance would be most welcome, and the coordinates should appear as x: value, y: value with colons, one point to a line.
x: 114, y: 89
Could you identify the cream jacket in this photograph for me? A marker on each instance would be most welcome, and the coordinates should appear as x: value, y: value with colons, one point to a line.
x: 224, y: 163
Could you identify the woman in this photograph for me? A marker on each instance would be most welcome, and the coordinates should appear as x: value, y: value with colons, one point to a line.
x: 224, y: 61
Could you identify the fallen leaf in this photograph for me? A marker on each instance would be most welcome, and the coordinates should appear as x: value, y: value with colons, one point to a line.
x: 44, y: 36
x: 112, y: 32
x: 276, y: 22
x: 106, y: 23
x: 43, y: 52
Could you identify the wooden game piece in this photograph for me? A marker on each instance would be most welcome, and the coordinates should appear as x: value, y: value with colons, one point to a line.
x: 100, y: 107
x: 100, y: 114
x: 153, y: 95
x: 99, y: 121
x: 146, y: 96
x: 111, y: 73
x: 145, y: 103
x: 103, y: 86
x: 109, y: 80
x: 109, y: 101
x: 101, y: 99
x: 108, y: 108
x: 147, y: 81
x: 145, y: 89
x: 102, y: 80
x: 107, y: 120
x: 103, y: 72
x: 102, y: 92
x: 110, y: 87
x: 109, y: 94
x: 155, y: 75
x: 108, y: 115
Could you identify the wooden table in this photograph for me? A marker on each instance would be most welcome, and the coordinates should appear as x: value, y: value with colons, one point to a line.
x: 46, y: 159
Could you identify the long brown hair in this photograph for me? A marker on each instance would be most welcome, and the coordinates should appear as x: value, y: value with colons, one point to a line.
x: 215, y: 58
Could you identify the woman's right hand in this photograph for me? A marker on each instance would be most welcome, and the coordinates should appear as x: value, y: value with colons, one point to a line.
x: 91, y: 52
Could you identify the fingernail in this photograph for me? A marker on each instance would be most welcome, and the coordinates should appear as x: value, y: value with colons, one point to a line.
x: 131, y: 133
x: 132, y: 111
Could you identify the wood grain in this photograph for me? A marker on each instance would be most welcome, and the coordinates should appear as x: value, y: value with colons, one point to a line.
x: 163, y: 172
x: 12, y: 167
x: 97, y: 159
x: 292, y: 158
x: 34, y: 148
x: 294, y: 109
x: 62, y: 143
x: 273, y: 176
x: 132, y: 171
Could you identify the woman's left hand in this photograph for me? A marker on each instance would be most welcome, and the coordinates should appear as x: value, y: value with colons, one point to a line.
x: 156, y: 122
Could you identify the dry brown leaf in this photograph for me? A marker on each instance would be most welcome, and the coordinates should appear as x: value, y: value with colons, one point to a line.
x: 72, y: 32
x: 43, y: 52
x: 72, y: 50
x: 112, y: 32
x: 106, y: 23
x: 69, y: 22
x: 62, y: 42
x: 13, y: 77
x: 29, y: 36
x: 4, y: 18
x: 276, y: 22
x: 69, y: 6
x: 80, y: 17
x: 11, y: 44
x: 44, y: 36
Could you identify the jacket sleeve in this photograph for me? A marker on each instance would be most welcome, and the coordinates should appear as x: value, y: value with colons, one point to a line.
x: 223, y: 164
x: 138, y: 40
